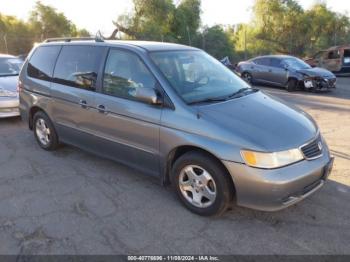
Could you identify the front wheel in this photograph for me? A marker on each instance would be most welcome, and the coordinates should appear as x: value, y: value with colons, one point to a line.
x: 291, y: 85
x: 247, y: 77
x: 202, y: 184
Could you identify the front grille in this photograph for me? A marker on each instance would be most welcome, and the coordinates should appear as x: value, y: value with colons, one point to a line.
x: 313, y: 149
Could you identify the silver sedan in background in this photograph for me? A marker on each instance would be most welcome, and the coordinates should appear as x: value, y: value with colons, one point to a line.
x: 9, y: 99
x: 286, y: 71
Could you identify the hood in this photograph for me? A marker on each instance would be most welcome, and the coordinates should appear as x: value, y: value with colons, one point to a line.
x: 316, y: 71
x: 265, y: 121
x: 8, y: 83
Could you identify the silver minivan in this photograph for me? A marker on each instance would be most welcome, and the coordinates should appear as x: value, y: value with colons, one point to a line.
x: 176, y: 113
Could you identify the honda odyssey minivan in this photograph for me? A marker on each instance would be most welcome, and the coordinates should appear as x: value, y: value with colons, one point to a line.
x: 174, y: 112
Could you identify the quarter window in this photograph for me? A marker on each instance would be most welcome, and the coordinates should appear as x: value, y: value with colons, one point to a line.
x: 42, y: 62
x: 124, y: 73
x: 77, y: 66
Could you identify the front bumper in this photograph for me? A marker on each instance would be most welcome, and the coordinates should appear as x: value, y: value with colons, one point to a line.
x: 275, y: 189
x: 9, y: 107
x: 320, y: 84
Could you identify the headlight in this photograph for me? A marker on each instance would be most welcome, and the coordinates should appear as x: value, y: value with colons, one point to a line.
x: 271, y: 160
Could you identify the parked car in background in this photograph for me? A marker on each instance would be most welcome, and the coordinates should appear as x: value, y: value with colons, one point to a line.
x: 286, y: 71
x: 335, y: 59
x: 174, y: 112
x: 9, y: 70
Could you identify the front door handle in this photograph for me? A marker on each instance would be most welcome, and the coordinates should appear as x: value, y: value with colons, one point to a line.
x: 101, y: 108
x: 83, y: 103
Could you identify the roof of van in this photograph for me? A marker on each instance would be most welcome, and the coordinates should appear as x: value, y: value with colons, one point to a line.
x: 147, y: 45
x: 338, y: 47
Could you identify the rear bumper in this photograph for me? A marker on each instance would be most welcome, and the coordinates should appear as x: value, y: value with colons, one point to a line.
x: 272, y: 190
x: 9, y: 107
x: 344, y: 71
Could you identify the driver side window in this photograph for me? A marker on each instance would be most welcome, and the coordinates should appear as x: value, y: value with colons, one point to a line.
x: 124, y: 73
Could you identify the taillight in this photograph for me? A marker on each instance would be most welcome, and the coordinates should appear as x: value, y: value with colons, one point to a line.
x: 19, y: 86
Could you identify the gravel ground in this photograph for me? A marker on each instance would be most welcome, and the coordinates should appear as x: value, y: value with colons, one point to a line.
x: 72, y: 202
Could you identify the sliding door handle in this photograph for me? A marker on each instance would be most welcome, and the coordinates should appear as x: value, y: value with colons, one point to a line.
x: 101, y: 108
x: 83, y: 103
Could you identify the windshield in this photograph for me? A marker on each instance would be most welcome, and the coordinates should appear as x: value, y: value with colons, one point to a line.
x: 196, y: 76
x: 296, y: 63
x: 10, y: 66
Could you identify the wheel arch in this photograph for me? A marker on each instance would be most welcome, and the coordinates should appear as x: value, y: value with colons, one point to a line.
x: 32, y: 111
x: 183, y: 149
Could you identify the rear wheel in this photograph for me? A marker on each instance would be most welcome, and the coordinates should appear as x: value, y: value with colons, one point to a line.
x: 291, y: 85
x: 247, y: 77
x: 202, y: 184
x: 45, y: 132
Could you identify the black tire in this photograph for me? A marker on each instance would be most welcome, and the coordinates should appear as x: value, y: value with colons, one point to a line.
x: 291, y: 85
x: 53, y: 141
x: 222, y: 181
x: 246, y: 76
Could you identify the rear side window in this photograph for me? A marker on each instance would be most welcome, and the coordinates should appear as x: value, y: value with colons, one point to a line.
x: 275, y: 62
x: 334, y: 54
x: 42, y: 62
x: 77, y: 66
x: 262, y: 61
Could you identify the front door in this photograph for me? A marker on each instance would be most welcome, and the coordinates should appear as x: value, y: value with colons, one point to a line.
x: 129, y: 128
x: 278, y: 72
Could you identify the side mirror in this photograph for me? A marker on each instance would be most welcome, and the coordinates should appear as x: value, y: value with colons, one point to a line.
x: 286, y: 67
x: 147, y: 95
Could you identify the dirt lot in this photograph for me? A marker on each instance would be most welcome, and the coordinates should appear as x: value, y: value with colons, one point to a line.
x: 71, y: 202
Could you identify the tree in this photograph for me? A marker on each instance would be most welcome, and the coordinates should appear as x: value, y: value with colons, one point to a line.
x: 46, y: 22
x: 149, y: 21
x: 283, y: 26
x: 218, y: 42
x: 15, y: 35
x: 161, y: 20
x: 18, y: 37
x: 186, y: 21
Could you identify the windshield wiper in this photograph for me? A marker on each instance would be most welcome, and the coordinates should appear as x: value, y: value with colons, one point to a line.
x: 208, y: 100
x: 242, y: 92
x: 8, y: 75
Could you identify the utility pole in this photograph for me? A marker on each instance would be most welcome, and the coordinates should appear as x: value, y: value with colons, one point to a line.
x: 189, y: 36
x: 245, y: 42
x: 5, y: 40
x: 203, y: 41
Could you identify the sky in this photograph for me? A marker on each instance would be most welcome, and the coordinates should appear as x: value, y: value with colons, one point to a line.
x: 98, y: 15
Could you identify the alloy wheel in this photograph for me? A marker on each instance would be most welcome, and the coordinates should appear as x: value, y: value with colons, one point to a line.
x: 247, y: 77
x: 43, y: 132
x: 197, y: 186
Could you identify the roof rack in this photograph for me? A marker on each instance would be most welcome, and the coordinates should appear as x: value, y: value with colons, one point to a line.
x: 70, y: 39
